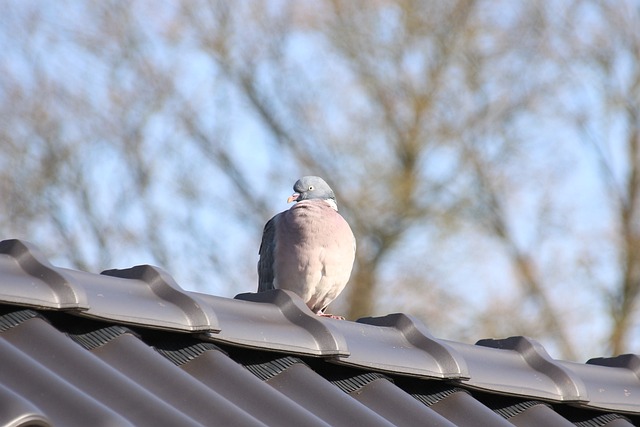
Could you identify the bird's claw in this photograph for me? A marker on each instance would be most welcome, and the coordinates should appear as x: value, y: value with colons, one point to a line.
x: 331, y: 316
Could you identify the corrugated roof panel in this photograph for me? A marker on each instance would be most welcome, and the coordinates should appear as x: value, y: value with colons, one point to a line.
x: 609, y: 420
x: 176, y: 389
x: 294, y: 379
x: 591, y: 419
x: 459, y: 406
x: 618, y: 422
x: 216, y: 370
x: 16, y: 411
x: 46, y: 349
x: 56, y: 398
x: 150, y: 359
x: 381, y: 396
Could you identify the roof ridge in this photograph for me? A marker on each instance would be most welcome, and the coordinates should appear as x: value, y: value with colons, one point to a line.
x: 60, y: 292
x: 277, y: 324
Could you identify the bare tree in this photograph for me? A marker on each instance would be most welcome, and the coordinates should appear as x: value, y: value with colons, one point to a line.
x: 95, y: 173
x: 414, y: 86
x: 606, y: 66
x: 145, y: 132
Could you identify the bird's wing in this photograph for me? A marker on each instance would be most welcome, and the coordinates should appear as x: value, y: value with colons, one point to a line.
x: 266, y: 252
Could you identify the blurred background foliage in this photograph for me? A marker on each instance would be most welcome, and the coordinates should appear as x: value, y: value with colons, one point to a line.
x: 486, y: 153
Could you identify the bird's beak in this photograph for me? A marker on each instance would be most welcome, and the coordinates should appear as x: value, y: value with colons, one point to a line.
x: 293, y: 197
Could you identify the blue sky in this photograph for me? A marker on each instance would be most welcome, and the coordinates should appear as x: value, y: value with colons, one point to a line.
x: 555, y: 166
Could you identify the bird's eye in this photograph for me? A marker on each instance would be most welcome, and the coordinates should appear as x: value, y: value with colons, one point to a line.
x: 311, y: 188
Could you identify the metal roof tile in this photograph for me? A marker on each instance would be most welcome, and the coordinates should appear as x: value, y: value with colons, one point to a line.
x: 276, y: 320
x: 605, y: 420
x: 141, y: 300
x: 304, y: 386
x: 213, y: 368
x: 17, y: 410
x: 62, y: 367
x: 521, y: 367
x: 612, y: 383
x: 190, y: 313
x: 400, y: 343
x: 143, y: 295
x: 461, y: 408
x: 533, y: 413
x: 627, y: 361
x: 379, y: 394
x: 29, y: 279
x: 153, y: 354
x: 176, y: 389
x: 55, y: 396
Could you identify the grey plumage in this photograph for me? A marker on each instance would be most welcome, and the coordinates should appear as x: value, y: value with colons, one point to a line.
x: 308, y: 249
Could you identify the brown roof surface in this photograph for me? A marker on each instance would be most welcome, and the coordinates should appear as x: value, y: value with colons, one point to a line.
x: 131, y: 348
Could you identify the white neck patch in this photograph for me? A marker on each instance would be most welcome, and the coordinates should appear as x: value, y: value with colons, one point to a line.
x: 332, y: 203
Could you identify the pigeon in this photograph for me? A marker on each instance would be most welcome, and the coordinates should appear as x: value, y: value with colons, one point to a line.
x: 308, y: 249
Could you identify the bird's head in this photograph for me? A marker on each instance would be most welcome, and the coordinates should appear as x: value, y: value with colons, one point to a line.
x: 310, y: 188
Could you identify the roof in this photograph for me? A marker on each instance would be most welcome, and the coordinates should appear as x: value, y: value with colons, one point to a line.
x: 131, y: 348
